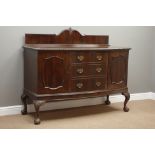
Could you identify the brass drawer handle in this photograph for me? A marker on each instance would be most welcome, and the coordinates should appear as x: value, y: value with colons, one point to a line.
x: 99, y: 57
x: 80, y: 70
x: 99, y: 69
x: 79, y: 85
x: 80, y: 58
x: 98, y: 84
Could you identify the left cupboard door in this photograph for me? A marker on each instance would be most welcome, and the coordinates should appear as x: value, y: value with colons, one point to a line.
x: 53, y: 72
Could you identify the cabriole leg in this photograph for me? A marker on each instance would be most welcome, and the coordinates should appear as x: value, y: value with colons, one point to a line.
x: 24, y: 98
x: 107, y: 102
x: 37, y: 105
x: 127, y: 97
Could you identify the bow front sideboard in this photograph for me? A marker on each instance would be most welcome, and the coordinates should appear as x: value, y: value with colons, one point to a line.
x: 72, y: 66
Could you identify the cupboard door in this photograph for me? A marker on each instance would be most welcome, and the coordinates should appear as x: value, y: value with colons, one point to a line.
x: 53, y: 72
x: 117, y: 72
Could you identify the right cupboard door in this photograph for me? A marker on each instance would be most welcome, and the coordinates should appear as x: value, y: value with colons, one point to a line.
x: 117, y: 69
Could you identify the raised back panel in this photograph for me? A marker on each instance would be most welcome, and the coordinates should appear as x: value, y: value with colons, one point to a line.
x: 66, y: 37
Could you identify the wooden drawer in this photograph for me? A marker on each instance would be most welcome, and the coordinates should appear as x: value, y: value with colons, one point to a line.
x: 80, y: 57
x: 98, y: 83
x: 80, y: 85
x: 80, y: 70
x: 88, y: 84
x: 97, y: 69
x: 88, y: 69
x: 99, y: 57
x: 88, y: 56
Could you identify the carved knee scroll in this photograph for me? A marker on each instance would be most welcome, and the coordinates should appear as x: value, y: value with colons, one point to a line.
x: 24, y: 101
x: 37, y: 105
x: 107, y: 102
x: 127, y: 97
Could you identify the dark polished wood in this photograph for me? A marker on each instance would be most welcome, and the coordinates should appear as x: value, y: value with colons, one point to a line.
x: 24, y: 100
x: 107, y: 102
x: 37, y: 105
x: 69, y: 36
x: 127, y: 98
x: 72, y: 66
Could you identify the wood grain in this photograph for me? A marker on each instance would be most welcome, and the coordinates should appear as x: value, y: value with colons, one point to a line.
x: 72, y: 66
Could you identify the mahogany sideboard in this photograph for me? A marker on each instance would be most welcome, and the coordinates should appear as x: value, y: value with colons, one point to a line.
x: 72, y: 66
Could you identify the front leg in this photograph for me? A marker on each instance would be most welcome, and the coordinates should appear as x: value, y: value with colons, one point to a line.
x: 37, y: 105
x: 127, y: 97
x: 24, y: 101
x: 107, y: 102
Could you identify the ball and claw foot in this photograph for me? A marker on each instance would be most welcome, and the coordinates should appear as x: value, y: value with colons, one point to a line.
x: 37, y: 121
x: 107, y: 102
x: 37, y: 105
x: 127, y: 98
x: 126, y: 109
x: 24, y: 112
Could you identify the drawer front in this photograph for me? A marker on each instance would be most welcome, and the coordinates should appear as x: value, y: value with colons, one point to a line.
x: 80, y: 85
x: 98, y: 83
x: 88, y: 56
x: 90, y: 73
x: 87, y: 84
x: 96, y: 69
x: 80, y: 57
x: 79, y: 70
x: 85, y: 69
x: 99, y: 57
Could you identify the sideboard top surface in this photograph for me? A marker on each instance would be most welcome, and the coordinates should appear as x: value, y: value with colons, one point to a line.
x: 72, y: 47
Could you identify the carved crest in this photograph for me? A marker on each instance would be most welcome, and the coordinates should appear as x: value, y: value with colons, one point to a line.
x: 70, y: 36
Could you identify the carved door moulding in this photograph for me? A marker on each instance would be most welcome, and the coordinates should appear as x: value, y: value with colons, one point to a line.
x: 53, y: 72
